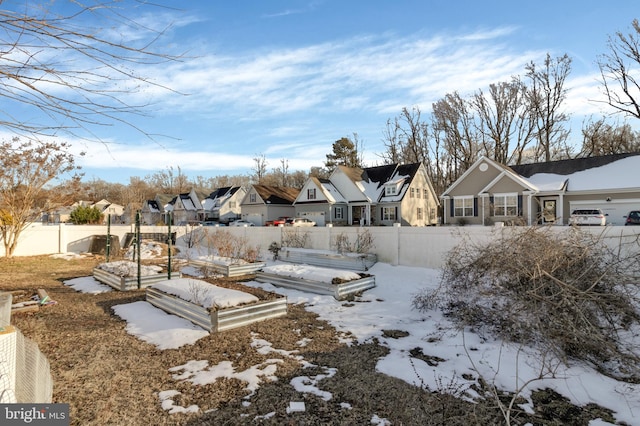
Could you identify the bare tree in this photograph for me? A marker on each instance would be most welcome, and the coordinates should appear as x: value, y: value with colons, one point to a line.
x: 66, y: 71
x: 619, y: 71
x: 282, y: 173
x: 454, y: 124
x: 545, y: 95
x: 259, y: 168
x: 504, y: 121
x: 26, y: 167
x: 407, y: 138
x: 170, y: 181
x: 602, y: 138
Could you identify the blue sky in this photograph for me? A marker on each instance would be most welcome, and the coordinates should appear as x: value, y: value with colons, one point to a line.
x: 285, y: 79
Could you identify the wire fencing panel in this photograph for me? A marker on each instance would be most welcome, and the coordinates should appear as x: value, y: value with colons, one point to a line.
x: 33, y: 373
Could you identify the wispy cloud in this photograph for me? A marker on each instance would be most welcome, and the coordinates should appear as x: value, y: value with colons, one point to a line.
x: 357, y: 73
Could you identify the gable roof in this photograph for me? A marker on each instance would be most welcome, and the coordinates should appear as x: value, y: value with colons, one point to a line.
x: 403, y: 176
x: 218, y: 197
x: 329, y: 191
x: 503, y: 171
x: 371, y: 181
x: 570, y: 166
x: 607, y: 172
x: 276, y: 194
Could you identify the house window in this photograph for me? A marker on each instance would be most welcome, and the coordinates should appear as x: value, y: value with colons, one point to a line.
x: 412, y: 193
x: 432, y: 214
x: 311, y: 194
x: 425, y: 194
x: 419, y: 213
x: 339, y: 212
x: 463, y: 206
x: 417, y: 192
x: 505, y: 205
x: 232, y: 204
x: 252, y: 198
x: 388, y: 213
x: 390, y: 190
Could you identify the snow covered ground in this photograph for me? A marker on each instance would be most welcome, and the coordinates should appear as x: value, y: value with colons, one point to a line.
x: 386, y: 307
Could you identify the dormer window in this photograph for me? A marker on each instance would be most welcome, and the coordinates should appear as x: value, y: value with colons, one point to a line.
x: 390, y: 190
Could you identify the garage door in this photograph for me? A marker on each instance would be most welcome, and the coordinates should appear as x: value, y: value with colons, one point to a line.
x: 615, y: 210
x: 317, y: 217
x: 255, y: 218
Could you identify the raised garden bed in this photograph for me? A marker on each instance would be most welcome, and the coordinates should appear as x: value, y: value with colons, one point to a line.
x: 212, y: 307
x: 123, y: 275
x: 227, y: 267
x: 328, y: 259
x: 340, y: 284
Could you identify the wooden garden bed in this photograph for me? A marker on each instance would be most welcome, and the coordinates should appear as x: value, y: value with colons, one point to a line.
x: 338, y: 288
x: 217, y: 318
x: 329, y: 259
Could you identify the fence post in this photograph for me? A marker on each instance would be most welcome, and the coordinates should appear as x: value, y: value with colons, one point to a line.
x: 61, y: 238
x: 138, y: 246
x: 169, y: 242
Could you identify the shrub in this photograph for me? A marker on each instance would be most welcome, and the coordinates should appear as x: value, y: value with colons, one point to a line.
x: 565, y: 291
x: 82, y: 215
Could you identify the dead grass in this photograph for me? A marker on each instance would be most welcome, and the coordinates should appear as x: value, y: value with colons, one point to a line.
x: 111, y: 378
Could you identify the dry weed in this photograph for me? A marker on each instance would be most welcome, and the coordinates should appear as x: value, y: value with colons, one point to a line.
x: 566, y: 292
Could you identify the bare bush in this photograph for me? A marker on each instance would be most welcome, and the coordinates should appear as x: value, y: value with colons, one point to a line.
x: 295, y: 238
x: 195, y: 237
x: 363, y: 243
x: 199, y: 293
x: 566, y: 292
x: 228, y: 245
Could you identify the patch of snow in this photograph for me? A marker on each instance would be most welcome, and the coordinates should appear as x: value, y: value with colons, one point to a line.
x: 325, y: 275
x: 205, y: 294
x: 87, y: 285
x: 169, y: 405
x: 70, y: 256
x: 155, y: 326
x: 309, y: 384
x: 125, y: 268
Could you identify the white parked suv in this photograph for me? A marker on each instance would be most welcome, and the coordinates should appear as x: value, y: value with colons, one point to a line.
x: 587, y: 217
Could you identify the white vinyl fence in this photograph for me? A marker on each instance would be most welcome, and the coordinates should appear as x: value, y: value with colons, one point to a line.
x: 396, y: 245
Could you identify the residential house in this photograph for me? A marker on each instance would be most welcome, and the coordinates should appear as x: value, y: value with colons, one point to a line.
x: 108, y: 209
x: 185, y: 208
x: 153, y: 211
x: 320, y: 201
x: 544, y: 193
x: 381, y: 195
x: 263, y: 202
x: 62, y: 214
x: 223, y: 204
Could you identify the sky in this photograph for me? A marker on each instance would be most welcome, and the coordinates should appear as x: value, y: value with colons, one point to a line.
x: 285, y: 79
x: 387, y: 306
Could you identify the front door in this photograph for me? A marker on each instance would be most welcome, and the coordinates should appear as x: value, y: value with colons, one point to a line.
x: 549, y: 213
